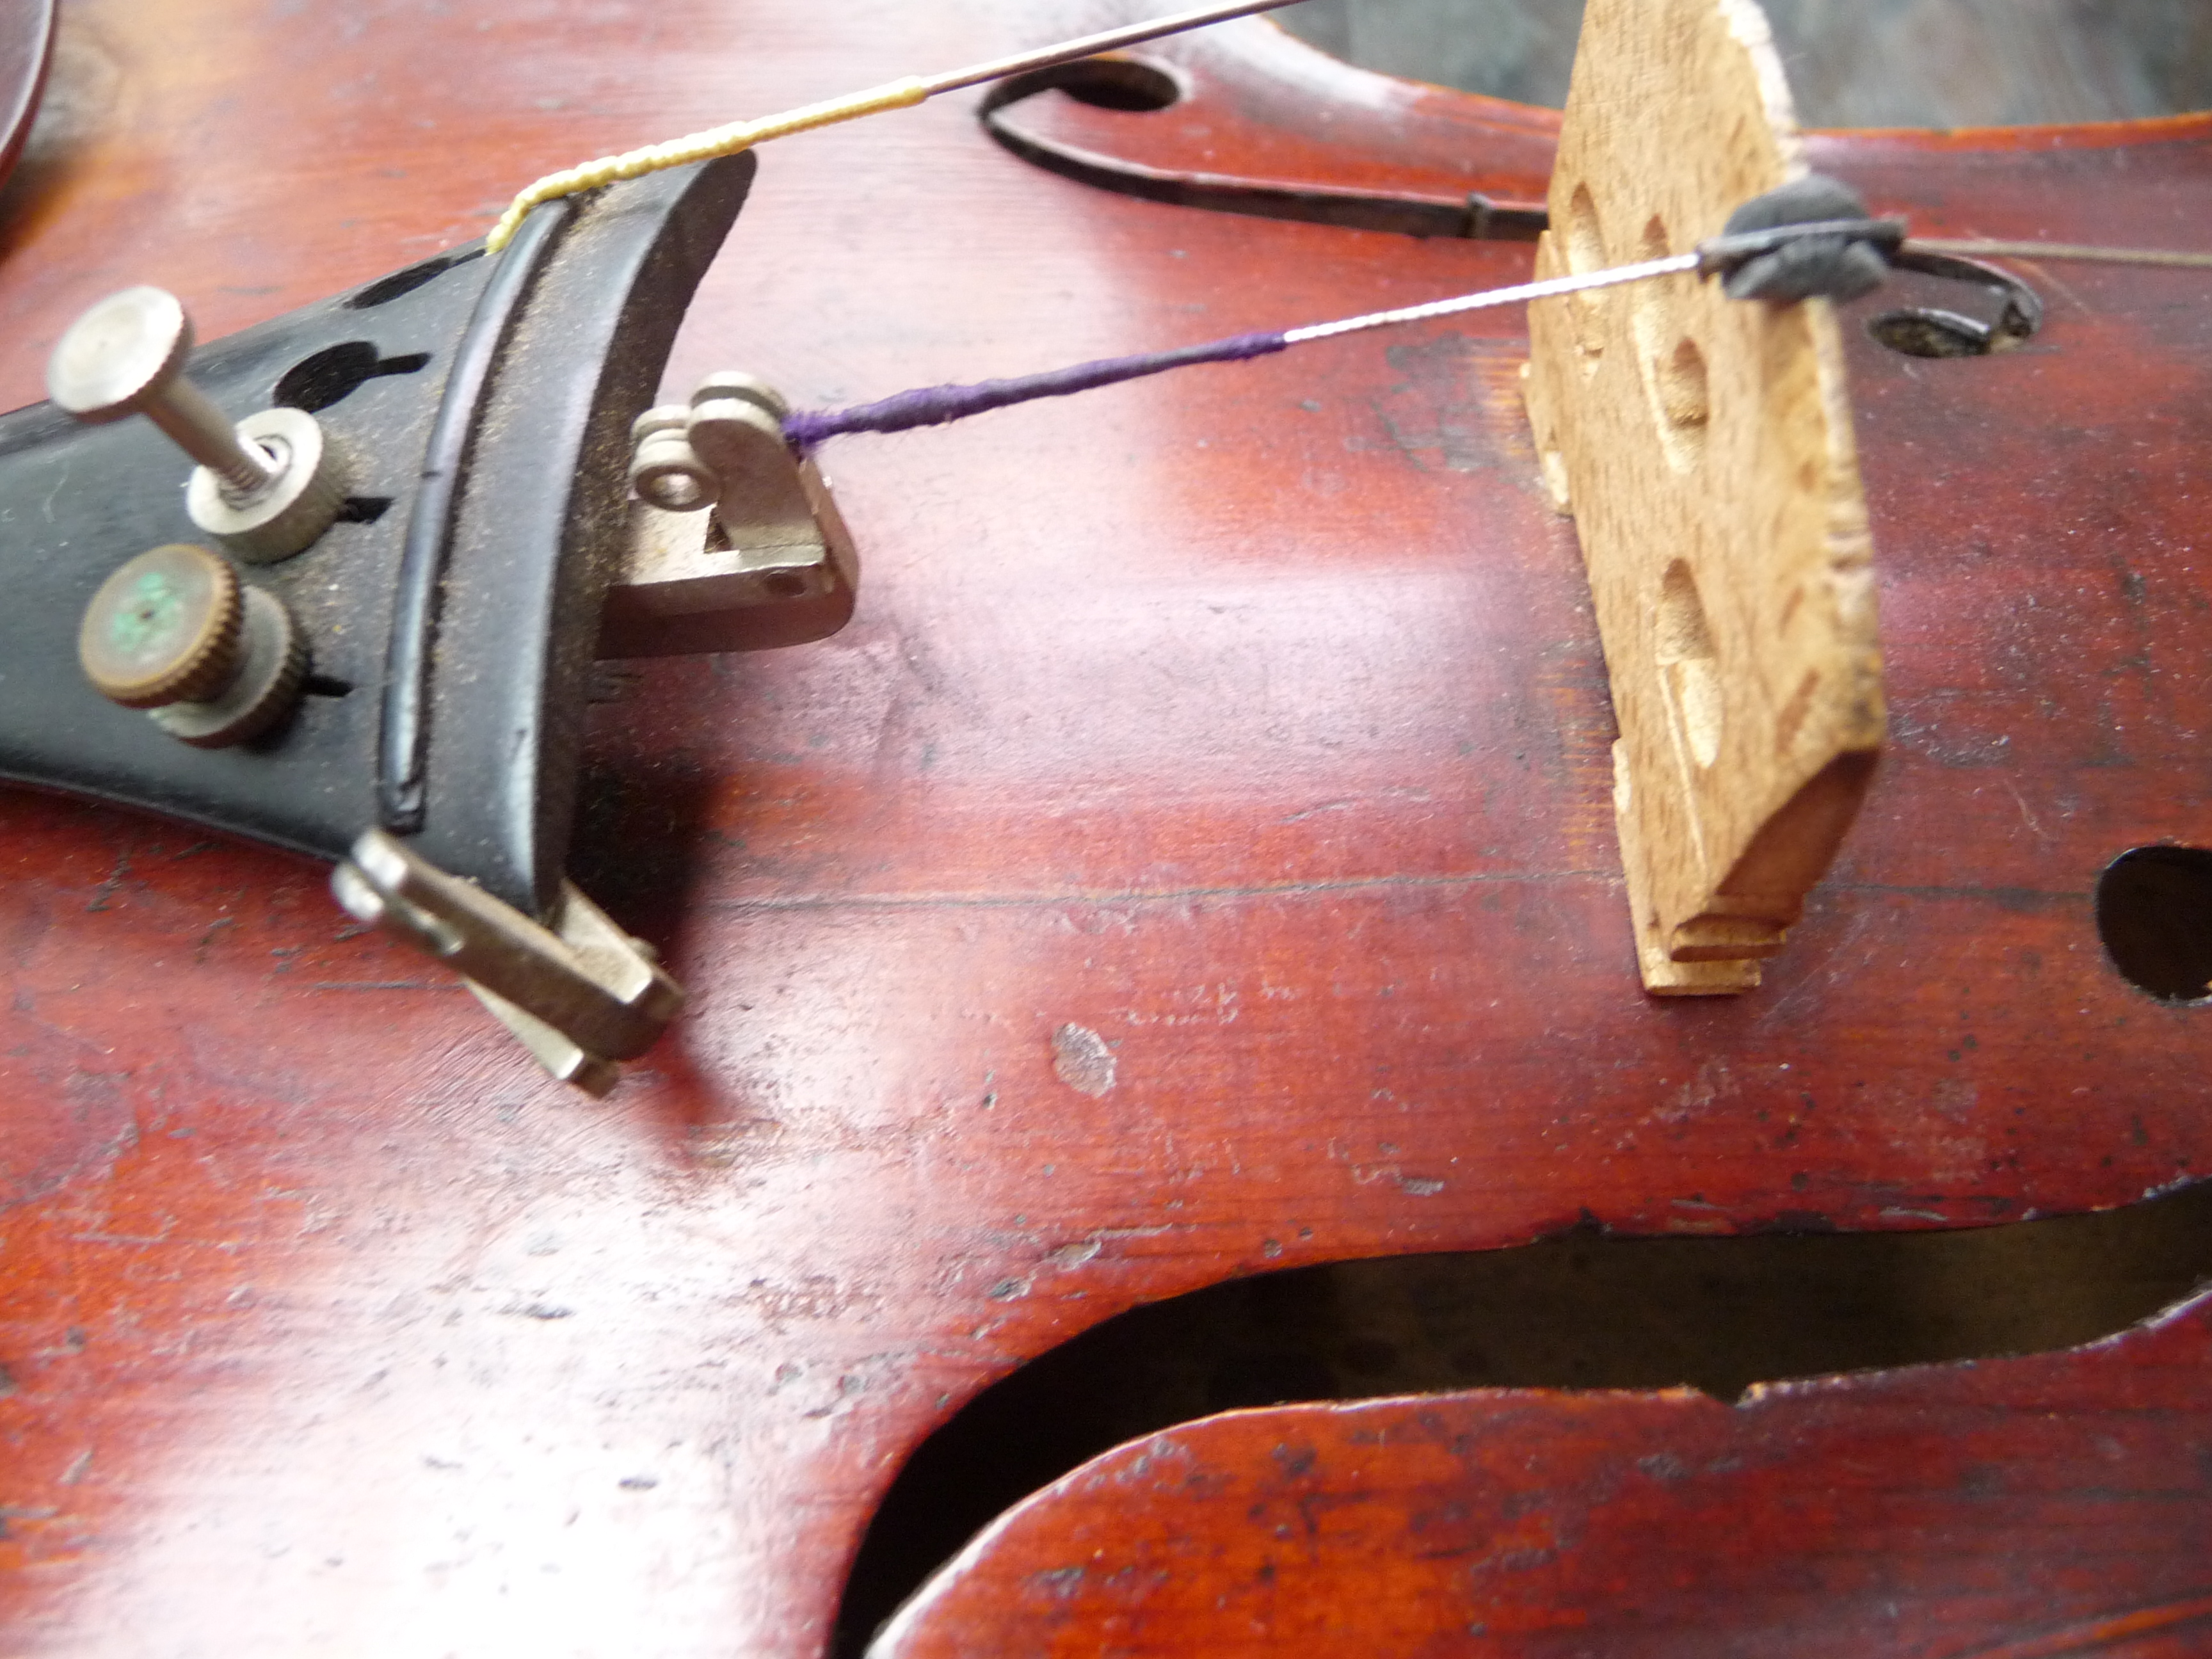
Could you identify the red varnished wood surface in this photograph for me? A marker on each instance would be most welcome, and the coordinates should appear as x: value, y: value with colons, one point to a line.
x: 1252, y: 719
x: 26, y: 39
x: 1254, y: 107
x: 1932, y: 1511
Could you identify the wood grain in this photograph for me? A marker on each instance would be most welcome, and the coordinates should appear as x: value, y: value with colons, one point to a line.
x: 1247, y: 719
x: 1705, y: 448
x: 2000, y: 1511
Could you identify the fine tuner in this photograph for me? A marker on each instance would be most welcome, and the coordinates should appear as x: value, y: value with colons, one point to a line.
x: 429, y: 483
x: 1166, y: 952
x: 265, y: 488
x: 442, y: 528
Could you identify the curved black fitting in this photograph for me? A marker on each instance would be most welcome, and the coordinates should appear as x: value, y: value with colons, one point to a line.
x: 1812, y: 238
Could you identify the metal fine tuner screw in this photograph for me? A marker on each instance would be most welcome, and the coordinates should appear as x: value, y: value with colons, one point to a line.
x: 266, y: 488
x: 175, y: 632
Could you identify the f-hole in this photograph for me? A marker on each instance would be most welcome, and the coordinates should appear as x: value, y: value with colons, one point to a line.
x: 2155, y: 915
x: 1134, y: 86
x: 1580, y: 1311
x: 315, y: 383
x: 1926, y: 332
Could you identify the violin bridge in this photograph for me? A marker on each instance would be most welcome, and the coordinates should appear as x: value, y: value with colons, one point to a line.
x: 1704, y: 447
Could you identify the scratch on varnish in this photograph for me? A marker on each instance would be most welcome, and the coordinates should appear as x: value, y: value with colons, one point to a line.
x: 1081, y: 1060
x: 1021, y: 900
x: 2107, y: 1630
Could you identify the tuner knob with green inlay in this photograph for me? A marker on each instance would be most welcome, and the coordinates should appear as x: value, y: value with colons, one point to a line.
x: 175, y: 632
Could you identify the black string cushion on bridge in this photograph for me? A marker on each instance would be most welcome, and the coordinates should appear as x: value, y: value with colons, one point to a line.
x: 1838, y: 267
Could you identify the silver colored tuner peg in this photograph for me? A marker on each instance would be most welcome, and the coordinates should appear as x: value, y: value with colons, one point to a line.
x: 266, y: 487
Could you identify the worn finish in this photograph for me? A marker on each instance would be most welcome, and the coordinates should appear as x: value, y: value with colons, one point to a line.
x: 1392, y: 156
x: 1251, y: 720
x: 2058, y: 1505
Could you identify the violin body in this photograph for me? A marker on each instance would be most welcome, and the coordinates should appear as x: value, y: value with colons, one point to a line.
x: 2045, y: 1504
x: 1195, y: 859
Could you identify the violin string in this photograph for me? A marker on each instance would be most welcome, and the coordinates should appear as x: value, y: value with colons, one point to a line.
x: 903, y: 93
x: 935, y: 405
x: 939, y: 404
x: 1973, y: 247
x: 1583, y: 282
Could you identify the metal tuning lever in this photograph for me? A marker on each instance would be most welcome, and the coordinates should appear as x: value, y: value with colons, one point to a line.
x: 580, y: 992
x: 736, y: 543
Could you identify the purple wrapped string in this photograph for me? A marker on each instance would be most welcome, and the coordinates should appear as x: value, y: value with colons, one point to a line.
x: 936, y: 404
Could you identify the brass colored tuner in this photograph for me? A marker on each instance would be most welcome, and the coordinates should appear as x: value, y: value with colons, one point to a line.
x: 176, y: 633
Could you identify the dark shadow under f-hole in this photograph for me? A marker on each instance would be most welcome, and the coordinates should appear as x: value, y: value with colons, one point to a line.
x: 2155, y: 914
x: 1578, y: 1311
x: 1129, y: 84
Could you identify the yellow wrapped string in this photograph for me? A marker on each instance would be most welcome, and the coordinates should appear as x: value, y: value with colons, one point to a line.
x: 703, y: 146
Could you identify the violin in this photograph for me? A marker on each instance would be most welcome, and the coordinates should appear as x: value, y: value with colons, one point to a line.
x: 1193, y: 862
